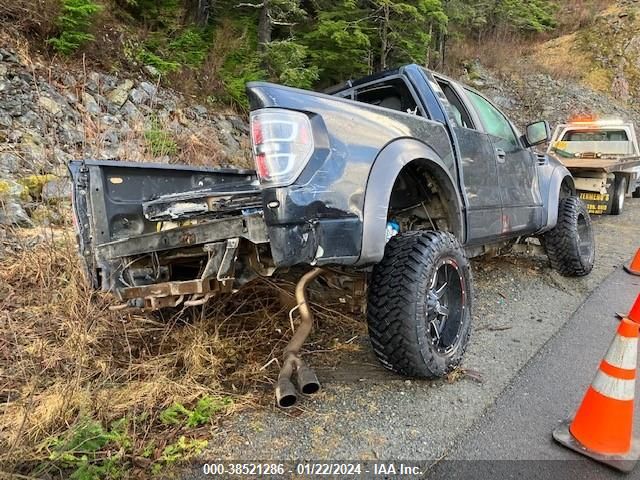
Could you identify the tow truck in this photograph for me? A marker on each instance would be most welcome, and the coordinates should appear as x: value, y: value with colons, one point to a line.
x: 604, y: 159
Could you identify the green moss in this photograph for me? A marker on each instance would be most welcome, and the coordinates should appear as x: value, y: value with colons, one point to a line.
x: 35, y: 183
x: 9, y: 188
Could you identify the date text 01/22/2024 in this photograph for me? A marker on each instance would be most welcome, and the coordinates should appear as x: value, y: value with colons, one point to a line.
x: 310, y: 469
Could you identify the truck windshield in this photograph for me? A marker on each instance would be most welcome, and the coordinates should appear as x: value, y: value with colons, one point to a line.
x: 586, y: 142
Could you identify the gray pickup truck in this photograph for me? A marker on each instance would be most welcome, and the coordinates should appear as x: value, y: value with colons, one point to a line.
x: 396, y: 179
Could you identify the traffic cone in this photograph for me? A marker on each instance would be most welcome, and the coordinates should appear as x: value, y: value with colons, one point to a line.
x: 602, y: 427
x: 634, y: 267
x: 634, y: 314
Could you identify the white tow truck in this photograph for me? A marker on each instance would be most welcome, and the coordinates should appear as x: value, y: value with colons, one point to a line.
x: 604, y: 159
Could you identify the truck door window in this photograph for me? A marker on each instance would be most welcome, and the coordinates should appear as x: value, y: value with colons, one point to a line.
x: 393, y: 94
x: 495, y: 123
x: 456, y: 107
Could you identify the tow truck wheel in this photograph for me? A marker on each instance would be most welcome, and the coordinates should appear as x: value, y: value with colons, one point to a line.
x: 570, y: 245
x: 619, y: 192
x: 419, y: 304
x: 636, y: 192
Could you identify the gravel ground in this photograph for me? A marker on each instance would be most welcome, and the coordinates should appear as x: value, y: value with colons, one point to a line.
x: 367, y: 413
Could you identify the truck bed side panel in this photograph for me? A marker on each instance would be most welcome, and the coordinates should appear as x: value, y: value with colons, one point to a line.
x: 319, y: 217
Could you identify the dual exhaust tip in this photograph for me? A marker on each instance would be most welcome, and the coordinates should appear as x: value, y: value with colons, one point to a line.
x: 286, y: 392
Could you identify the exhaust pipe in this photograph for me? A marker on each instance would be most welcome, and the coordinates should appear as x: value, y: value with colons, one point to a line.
x: 307, y: 381
x: 286, y: 394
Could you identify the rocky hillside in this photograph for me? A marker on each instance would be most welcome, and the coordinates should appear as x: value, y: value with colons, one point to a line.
x: 49, y: 116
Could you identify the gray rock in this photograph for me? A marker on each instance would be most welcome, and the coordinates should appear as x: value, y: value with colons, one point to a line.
x: 109, y: 120
x: 58, y: 189
x: 70, y: 135
x: 90, y: 104
x: 200, y: 111
x: 50, y: 105
x: 4, y: 85
x: 138, y: 96
x: 3, y: 70
x: 120, y: 94
x: 151, y: 71
x: 61, y: 156
x: 8, y: 56
x: 9, y: 163
x: 149, y: 88
x: 31, y: 120
x: 12, y: 213
x: 69, y: 80
x: 130, y: 111
x: 5, y: 120
x: 110, y: 137
x: 239, y: 124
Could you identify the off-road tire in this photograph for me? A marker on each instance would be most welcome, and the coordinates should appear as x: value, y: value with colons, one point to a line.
x: 570, y: 245
x: 619, y: 192
x: 636, y: 192
x: 400, y: 332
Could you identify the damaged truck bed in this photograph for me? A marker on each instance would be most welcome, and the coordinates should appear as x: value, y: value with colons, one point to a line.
x: 163, y: 235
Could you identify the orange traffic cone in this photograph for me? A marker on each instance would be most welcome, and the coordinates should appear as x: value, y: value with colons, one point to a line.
x: 634, y: 314
x: 634, y: 267
x: 602, y: 427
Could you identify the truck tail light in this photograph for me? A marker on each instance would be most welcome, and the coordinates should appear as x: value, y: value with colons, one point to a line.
x: 282, y: 144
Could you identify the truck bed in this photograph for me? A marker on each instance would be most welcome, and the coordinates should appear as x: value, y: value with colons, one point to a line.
x: 606, y: 165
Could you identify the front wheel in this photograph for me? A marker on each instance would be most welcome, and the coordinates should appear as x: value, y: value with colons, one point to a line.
x: 419, y: 304
x: 570, y: 245
x: 636, y: 192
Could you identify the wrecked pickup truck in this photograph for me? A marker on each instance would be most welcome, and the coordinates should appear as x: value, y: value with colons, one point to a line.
x: 397, y: 178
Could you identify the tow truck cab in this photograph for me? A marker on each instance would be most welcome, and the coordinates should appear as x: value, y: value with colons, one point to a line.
x: 604, y: 158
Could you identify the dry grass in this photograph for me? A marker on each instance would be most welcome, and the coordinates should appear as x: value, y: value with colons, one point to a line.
x: 65, y: 358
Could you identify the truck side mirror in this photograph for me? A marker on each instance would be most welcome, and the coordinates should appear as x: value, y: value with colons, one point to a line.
x: 537, y: 133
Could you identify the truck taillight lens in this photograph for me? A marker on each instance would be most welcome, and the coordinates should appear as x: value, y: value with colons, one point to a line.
x: 282, y: 145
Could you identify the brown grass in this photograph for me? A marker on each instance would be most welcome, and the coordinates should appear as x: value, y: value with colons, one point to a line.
x: 65, y: 357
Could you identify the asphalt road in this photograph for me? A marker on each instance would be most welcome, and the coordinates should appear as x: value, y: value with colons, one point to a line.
x: 521, y: 306
x: 515, y: 435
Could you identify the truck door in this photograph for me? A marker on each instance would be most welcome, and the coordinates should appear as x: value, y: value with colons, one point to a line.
x: 479, y: 169
x: 519, y: 189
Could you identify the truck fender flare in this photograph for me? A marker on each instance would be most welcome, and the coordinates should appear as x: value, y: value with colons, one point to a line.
x: 559, y: 176
x: 382, y: 177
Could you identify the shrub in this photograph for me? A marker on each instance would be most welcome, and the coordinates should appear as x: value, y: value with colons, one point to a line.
x: 74, y: 23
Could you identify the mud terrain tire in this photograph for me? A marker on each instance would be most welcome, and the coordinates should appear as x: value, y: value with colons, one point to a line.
x: 570, y: 245
x: 419, y: 304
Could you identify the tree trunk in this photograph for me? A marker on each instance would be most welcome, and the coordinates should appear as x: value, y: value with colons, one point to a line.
x: 384, y: 38
x: 198, y: 11
x: 427, y: 59
x: 264, y: 27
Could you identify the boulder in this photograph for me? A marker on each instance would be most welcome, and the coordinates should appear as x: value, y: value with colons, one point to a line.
x: 90, y: 104
x: 56, y: 190
x: 13, y: 214
x: 50, y: 105
x: 120, y: 94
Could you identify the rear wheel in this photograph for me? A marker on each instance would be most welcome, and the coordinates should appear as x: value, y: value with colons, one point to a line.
x: 570, y: 245
x: 636, y: 192
x: 419, y: 304
x: 619, y: 192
